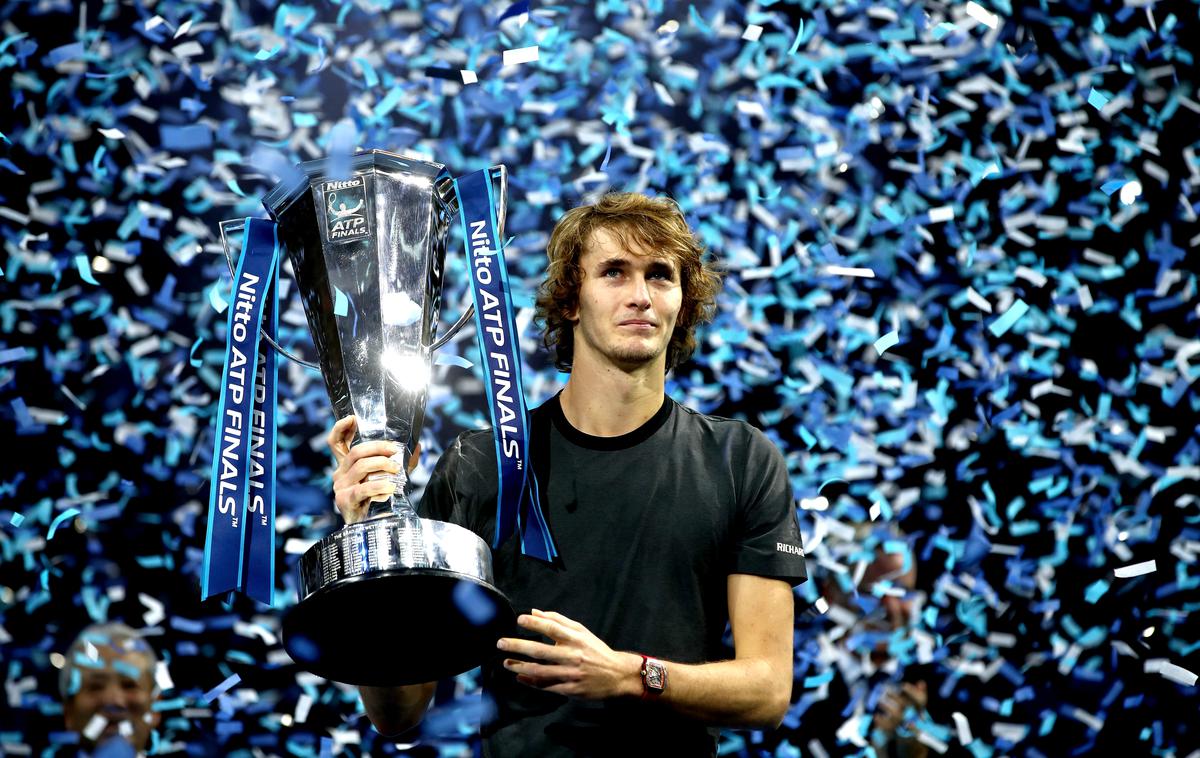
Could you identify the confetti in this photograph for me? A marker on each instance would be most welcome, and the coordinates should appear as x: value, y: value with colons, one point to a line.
x: 846, y: 271
x: 891, y: 339
x: 65, y: 516
x: 966, y: 170
x: 230, y: 682
x: 1096, y: 99
x: 1001, y: 325
x: 1136, y: 569
x: 983, y: 16
x: 520, y: 55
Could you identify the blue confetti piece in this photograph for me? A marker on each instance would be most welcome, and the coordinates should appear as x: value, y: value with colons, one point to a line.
x: 65, y: 53
x: 1096, y: 590
x: 85, y: 269
x: 943, y: 30
x: 796, y: 42
x: 342, y: 138
x: 114, y: 747
x: 231, y: 682
x: 185, y: 138
x: 474, y: 603
x: 1006, y: 321
x: 341, y: 303
x: 304, y: 649
x: 370, y: 78
x: 217, y: 302
x: 66, y: 515
x: 17, y: 354
x: 891, y: 339
x: 1097, y: 99
x: 305, y: 120
x: 449, y: 359
x: 388, y: 103
x: 694, y: 16
x: 16, y: 519
x: 197, y: 362
x: 519, y: 8
x: 818, y: 680
x: 807, y: 436
x: 1112, y: 186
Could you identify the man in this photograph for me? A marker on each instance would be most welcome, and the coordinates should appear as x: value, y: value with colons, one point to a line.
x: 668, y: 523
x: 108, y: 689
x: 873, y: 606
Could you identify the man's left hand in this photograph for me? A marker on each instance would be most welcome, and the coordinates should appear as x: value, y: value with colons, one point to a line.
x: 578, y: 664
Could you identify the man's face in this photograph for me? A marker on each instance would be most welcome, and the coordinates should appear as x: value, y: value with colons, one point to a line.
x: 114, y: 694
x: 628, y: 304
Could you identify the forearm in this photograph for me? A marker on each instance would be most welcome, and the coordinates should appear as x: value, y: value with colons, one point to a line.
x: 746, y: 693
x: 394, y: 710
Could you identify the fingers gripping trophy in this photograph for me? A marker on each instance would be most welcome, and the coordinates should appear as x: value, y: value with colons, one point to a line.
x: 367, y: 252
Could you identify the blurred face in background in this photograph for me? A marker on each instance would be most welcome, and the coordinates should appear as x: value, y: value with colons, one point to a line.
x: 114, y: 698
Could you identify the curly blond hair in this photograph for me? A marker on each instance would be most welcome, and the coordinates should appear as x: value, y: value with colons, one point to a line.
x: 654, y: 224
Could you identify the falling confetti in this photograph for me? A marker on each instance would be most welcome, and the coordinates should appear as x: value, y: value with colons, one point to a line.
x: 956, y: 244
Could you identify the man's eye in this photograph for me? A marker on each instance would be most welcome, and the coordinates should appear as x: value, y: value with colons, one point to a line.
x: 611, y: 272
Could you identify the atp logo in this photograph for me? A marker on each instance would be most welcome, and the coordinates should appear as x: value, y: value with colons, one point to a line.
x: 346, y: 215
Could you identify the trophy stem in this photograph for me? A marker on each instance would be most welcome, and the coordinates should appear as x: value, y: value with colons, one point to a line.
x: 398, y: 505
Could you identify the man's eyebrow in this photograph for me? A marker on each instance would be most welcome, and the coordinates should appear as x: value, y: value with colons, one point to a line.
x: 660, y: 265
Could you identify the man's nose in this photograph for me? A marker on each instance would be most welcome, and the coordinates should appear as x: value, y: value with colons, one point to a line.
x: 640, y: 295
x: 112, y: 697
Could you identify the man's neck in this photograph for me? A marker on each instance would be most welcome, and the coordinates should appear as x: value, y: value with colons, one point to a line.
x: 605, y: 401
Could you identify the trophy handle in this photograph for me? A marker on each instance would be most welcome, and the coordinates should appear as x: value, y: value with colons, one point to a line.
x: 237, y: 225
x: 500, y: 173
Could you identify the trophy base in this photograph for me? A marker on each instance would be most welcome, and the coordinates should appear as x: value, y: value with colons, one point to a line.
x: 395, y: 601
x: 398, y: 627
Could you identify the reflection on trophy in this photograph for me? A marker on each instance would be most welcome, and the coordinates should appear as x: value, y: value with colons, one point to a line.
x: 367, y: 251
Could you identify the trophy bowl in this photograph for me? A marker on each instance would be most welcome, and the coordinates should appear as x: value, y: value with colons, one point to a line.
x: 439, y: 617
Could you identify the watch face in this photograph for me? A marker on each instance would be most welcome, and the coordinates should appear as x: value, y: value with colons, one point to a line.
x: 656, y: 676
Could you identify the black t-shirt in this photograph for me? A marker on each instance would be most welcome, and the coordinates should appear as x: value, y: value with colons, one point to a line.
x: 648, y: 527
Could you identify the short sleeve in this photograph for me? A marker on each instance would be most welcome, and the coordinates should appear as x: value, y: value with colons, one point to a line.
x: 461, y: 483
x: 766, y: 541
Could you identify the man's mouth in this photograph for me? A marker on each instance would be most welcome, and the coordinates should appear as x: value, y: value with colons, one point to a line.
x: 637, y: 324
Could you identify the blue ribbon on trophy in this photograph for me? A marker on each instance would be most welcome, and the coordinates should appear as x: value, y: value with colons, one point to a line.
x: 239, y: 549
x: 518, y: 504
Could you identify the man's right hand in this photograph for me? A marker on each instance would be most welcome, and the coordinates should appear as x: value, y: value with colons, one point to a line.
x: 353, y: 492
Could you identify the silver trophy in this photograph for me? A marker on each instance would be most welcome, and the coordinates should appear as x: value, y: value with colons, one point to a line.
x: 367, y: 253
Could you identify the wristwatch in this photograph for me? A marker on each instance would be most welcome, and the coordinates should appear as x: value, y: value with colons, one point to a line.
x: 654, y: 677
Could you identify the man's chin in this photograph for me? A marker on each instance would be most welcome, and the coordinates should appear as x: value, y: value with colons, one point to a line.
x: 113, y: 730
x: 631, y: 358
